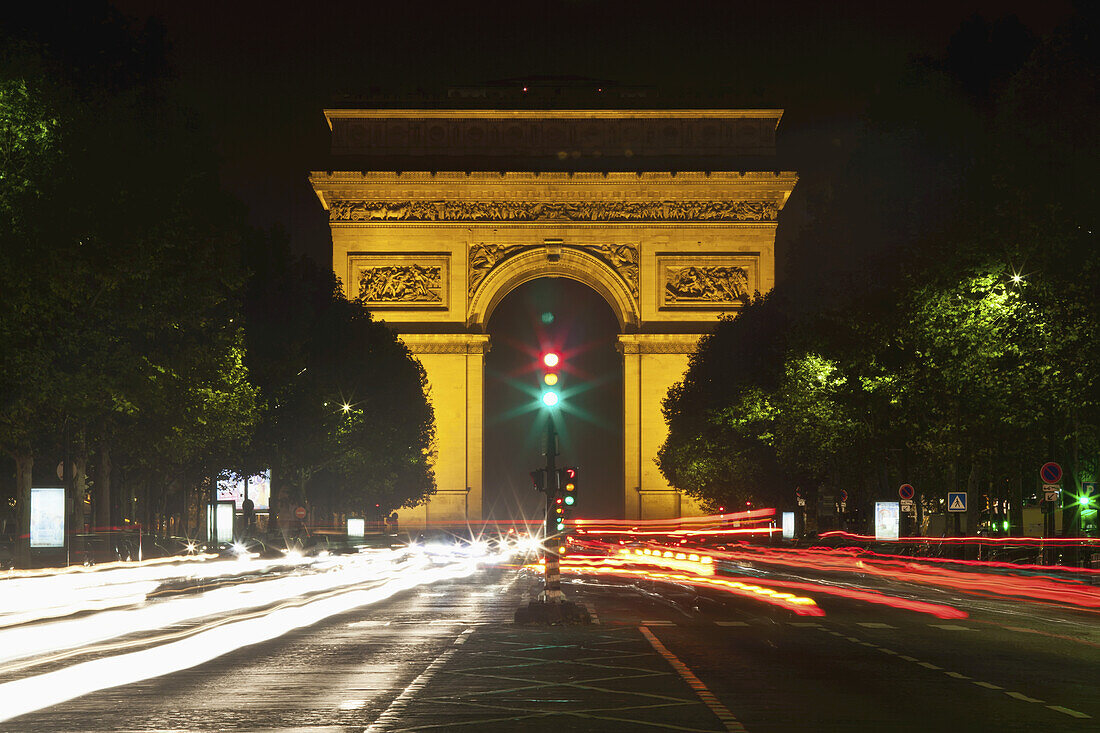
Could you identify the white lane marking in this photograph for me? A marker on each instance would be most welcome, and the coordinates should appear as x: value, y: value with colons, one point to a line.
x: 731, y: 623
x: 875, y: 625
x: 929, y: 665
x: 1022, y: 696
x: 908, y: 658
x: 987, y: 685
x: 1068, y: 711
x: 393, y: 713
x: 951, y: 627
x: 956, y: 675
x: 733, y: 725
x: 658, y: 623
x: 805, y: 624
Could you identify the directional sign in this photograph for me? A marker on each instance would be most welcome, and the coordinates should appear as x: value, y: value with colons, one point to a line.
x: 1051, y: 492
x: 1051, y: 473
x: 906, y: 491
x: 908, y: 506
x: 956, y: 501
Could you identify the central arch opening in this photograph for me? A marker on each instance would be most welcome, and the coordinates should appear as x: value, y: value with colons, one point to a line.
x: 569, y: 317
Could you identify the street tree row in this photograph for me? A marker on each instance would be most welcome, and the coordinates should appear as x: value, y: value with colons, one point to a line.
x: 146, y: 333
x: 940, y: 321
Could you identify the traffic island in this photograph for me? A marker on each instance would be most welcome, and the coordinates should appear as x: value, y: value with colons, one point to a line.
x: 541, y: 613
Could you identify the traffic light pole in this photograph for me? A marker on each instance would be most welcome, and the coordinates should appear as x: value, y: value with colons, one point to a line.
x: 550, y: 544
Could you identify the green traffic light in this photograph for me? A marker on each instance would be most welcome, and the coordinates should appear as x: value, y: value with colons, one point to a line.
x: 561, y: 526
x: 550, y: 398
x: 569, y: 500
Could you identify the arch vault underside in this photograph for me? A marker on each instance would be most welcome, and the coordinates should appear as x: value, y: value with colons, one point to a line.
x: 433, y: 253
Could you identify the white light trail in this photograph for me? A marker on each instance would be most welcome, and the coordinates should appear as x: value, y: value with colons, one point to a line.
x: 52, y: 595
x: 34, y: 693
x: 339, y: 571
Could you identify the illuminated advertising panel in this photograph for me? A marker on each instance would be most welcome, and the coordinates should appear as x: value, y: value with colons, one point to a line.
x: 788, y: 525
x: 258, y: 488
x: 887, y: 520
x: 47, y: 517
x: 224, y: 515
x: 356, y: 527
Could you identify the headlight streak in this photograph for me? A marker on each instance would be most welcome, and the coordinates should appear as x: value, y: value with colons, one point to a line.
x: 34, y: 693
x: 40, y: 639
x: 53, y: 595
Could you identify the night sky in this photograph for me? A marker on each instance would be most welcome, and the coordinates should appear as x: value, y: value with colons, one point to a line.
x: 259, y: 74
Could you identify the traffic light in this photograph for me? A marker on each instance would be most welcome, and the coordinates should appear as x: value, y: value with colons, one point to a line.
x: 550, y: 378
x: 567, y: 480
x: 559, y: 514
x: 567, y: 495
x: 538, y: 478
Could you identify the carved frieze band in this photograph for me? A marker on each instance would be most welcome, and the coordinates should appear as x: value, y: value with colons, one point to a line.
x: 623, y: 258
x: 347, y: 210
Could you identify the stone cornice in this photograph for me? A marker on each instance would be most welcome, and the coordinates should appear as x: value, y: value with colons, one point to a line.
x: 552, y: 114
x: 657, y: 343
x: 489, y: 186
x: 555, y: 177
x: 446, y: 343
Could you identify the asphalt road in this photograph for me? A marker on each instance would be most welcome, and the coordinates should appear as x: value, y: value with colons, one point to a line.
x: 661, y: 657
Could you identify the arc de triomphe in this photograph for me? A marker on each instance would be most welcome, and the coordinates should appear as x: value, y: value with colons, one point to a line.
x: 436, y: 215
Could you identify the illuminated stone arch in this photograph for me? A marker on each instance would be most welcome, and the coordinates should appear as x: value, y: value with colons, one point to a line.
x: 569, y: 262
x: 673, y: 232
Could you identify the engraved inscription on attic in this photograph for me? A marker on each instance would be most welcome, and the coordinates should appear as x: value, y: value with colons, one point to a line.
x: 449, y: 210
x: 623, y: 258
x: 694, y: 285
x: 401, y: 284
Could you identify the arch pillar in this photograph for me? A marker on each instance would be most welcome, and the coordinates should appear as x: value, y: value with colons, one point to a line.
x: 455, y: 366
x: 651, y: 364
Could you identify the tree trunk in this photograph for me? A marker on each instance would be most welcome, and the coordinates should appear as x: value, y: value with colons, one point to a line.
x: 24, y: 463
x: 103, y: 489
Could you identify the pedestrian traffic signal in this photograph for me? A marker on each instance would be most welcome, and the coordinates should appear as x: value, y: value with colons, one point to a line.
x: 538, y: 478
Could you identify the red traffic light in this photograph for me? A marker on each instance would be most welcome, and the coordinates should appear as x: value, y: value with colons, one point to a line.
x: 550, y: 359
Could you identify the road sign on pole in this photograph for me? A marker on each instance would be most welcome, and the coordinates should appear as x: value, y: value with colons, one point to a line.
x: 1051, y: 473
x: 906, y: 491
x: 956, y: 501
x: 300, y: 512
x: 1051, y: 492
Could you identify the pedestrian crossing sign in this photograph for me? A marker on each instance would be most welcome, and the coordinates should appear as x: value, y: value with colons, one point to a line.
x: 956, y: 501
